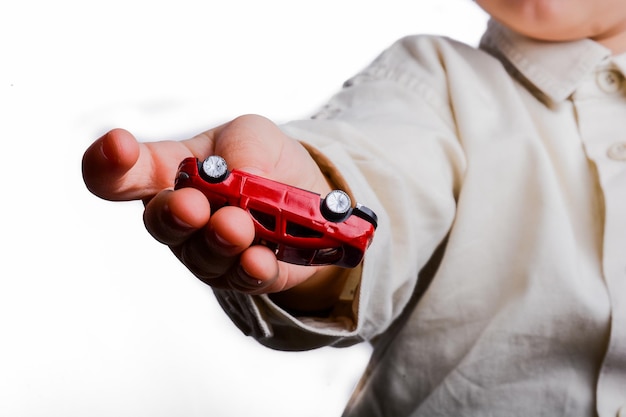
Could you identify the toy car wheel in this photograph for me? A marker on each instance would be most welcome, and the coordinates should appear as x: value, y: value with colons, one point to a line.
x: 214, y: 169
x: 336, y: 205
x: 366, y: 214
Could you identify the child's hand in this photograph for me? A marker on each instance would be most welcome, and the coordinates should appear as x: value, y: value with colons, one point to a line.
x: 214, y: 246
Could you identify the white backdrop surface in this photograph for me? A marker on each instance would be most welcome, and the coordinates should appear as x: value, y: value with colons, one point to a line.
x: 96, y: 318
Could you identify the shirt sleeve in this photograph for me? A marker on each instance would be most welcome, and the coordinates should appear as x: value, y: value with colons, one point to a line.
x: 390, y: 136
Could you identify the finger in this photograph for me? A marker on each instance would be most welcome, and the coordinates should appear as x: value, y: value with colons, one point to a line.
x: 171, y: 217
x: 251, y: 143
x: 197, y: 254
x: 213, y: 251
x: 255, y: 144
x: 118, y: 167
x: 256, y: 272
x: 107, y: 161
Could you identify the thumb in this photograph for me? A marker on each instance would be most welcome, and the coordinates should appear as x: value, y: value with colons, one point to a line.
x: 256, y: 145
x: 251, y: 143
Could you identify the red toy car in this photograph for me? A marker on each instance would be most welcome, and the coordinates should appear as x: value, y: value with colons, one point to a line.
x: 298, y: 225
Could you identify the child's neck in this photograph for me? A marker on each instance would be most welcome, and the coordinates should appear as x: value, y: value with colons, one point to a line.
x: 616, y: 41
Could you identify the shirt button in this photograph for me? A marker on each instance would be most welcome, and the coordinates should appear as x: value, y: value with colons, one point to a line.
x: 617, y: 151
x: 609, y: 81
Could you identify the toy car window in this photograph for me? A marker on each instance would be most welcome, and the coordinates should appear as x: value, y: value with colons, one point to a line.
x: 266, y: 220
x: 298, y: 230
x: 327, y: 256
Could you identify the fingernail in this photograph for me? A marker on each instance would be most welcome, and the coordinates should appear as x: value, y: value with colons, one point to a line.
x: 108, y: 151
x: 246, y: 279
x: 167, y: 213
x: 220, y: 244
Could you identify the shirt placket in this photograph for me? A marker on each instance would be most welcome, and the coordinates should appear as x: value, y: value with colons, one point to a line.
x: 600, y: 104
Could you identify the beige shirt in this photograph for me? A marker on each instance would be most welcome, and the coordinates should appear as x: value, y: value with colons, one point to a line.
x: 513, y: 159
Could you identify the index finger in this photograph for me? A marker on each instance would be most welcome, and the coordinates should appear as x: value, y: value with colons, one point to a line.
x: 118, y: 167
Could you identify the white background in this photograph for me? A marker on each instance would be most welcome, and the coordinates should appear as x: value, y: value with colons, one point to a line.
x: 97, y: 319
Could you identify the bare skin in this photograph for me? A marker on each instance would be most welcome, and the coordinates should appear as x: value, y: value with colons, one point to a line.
x: 562, y: 20
x: 215, y: 246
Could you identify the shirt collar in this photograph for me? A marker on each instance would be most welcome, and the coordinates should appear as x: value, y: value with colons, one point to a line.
x: 620, y: 62
x: 555, y: 69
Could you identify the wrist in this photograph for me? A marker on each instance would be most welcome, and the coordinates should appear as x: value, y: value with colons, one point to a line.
x: 317, y: 296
